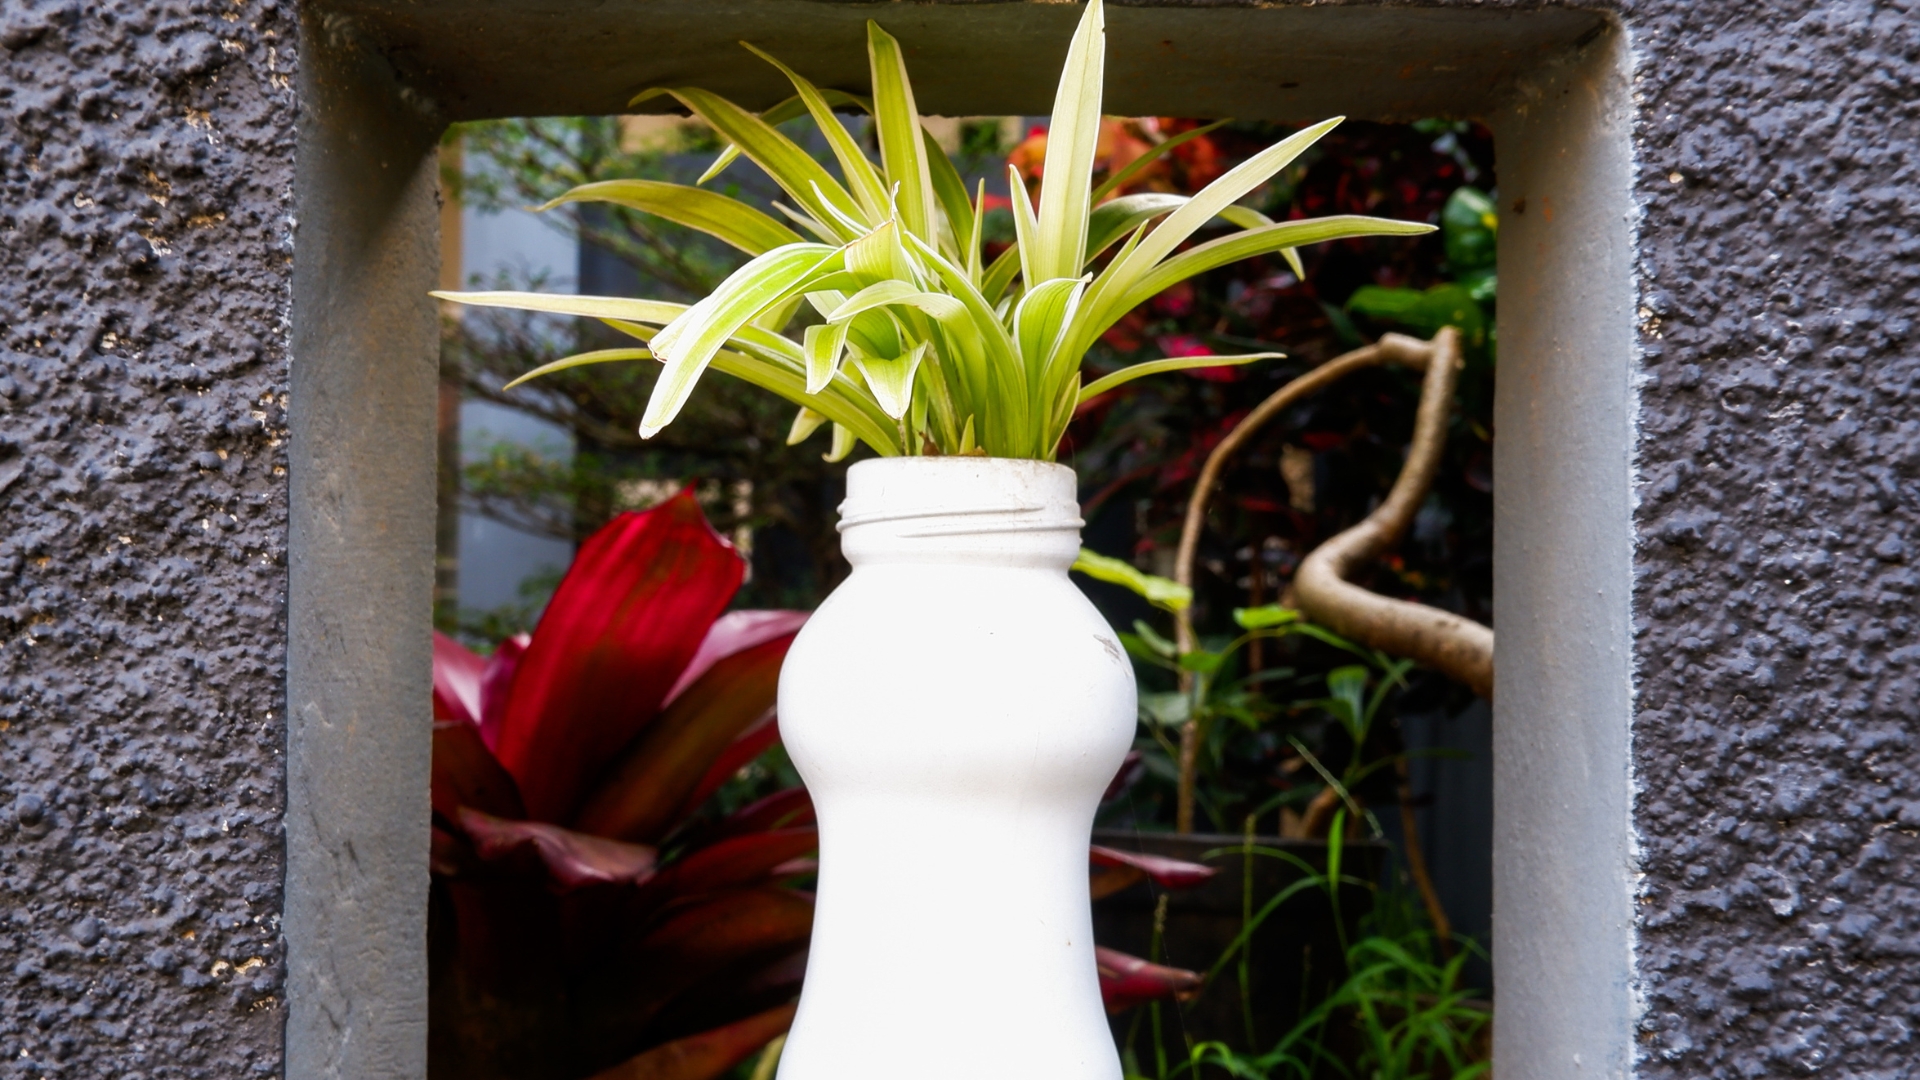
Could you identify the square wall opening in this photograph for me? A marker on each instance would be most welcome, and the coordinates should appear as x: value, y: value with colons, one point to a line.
x: 380, y: 81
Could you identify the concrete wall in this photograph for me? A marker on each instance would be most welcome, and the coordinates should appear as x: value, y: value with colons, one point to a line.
x: 1708, y: 790
x: 1777, y: 778
x: 146, y: 249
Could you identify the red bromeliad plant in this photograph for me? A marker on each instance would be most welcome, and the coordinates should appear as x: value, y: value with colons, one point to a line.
x: 589, y: 917
x: 584, y: 915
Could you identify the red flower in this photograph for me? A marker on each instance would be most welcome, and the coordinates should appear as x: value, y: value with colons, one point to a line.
x: 1176, y: 302
x: 1129, y: 334
x: 1177, y: 345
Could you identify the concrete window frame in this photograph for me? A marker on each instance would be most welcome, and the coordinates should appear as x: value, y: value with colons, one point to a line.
x: 381, y: 79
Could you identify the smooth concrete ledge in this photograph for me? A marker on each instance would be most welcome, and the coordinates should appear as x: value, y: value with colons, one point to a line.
x: 1242, y: 58
x: 365, y: 374
x: 1563, y: 864
x: 378, y: 79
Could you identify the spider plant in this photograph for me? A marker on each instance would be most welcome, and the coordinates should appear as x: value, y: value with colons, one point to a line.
x: 925, y: 347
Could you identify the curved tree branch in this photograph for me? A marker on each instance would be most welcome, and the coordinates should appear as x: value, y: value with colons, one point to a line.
x: 1457, y: 647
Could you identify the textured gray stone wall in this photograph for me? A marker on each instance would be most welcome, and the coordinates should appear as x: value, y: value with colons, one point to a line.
x: 1779, y: 778
x: 146, y: 171
x: 145, y: 168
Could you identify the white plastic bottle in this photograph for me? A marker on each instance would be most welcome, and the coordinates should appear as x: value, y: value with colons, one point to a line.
x: 956, y: 709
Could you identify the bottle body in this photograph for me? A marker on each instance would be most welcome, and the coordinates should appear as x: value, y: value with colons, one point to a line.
x: 956, y: 709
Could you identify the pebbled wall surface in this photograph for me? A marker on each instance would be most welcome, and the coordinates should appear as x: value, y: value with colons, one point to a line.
x: 1778, y: 532
x: 145, y: 176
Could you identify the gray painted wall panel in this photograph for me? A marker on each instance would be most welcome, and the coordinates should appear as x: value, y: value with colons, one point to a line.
x: 359, y: 682
x: 1563, y: 845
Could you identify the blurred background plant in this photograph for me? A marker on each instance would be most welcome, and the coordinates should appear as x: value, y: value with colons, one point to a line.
x: 1400, y: 1012
x: 596, y: 899
x: 1291, y: 708
x: 621, y: 851
x: 1321, y: 467
x: 777, y: 502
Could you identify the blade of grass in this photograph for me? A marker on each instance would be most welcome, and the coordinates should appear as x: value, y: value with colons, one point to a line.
x: 1072, y: 140
x: 864, y: 182
x: 897, y: 123
x: 823, y: 344
x: 689, y: 342
x: 774, y: 117
x: 1160, y: 150
x: 725, y: 219
x: 1025, y: 229
x: 950, y: 193
x: 805, y: 423
x: 787, y: 164
x: 1260, y: 241
x: 971, y: 256
x: 784, y: 372
x: 1105, y: 302
x: 1154, y: 367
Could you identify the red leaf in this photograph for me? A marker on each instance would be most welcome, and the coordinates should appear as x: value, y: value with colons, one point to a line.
x: 751, y: 744
x: 723, y: 928
x: 505, y: 941
x: 690, y: 961
x: 780, y: 810
x: 445, y: 853
x: 783, y: 976
x: 622, y: 626
x: 496, y: 683
x: 1126, y: 981
x: 735, y: 632
x: 466, y: 774
x: 570, y: 859
x: 707, y: 1055
x: 457, y: 676
x: 741, y: 860
x: 642, y: 792
x: 1168, y: 873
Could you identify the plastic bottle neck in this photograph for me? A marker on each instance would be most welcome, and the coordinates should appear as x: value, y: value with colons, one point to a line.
x: 966, y: 510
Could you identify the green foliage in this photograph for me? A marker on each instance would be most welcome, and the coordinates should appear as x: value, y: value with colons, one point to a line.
x: 510, y: 164
x: 923, y: 347
x: 1158, y: 591
x: 1426, y: 311
x: 1216, y: 691
x: 1138, y: 450
x: 1469, y: 227
x: 1401, y: 1012
x: 729, y: 436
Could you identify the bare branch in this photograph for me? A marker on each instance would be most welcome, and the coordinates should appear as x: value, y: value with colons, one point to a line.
x: 1456, y: 647
x: 1417, y: 862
